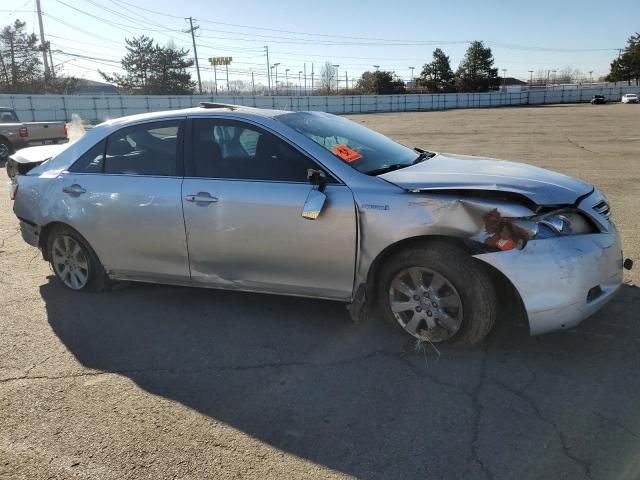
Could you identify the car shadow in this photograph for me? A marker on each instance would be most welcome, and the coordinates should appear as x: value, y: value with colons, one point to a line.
x: 360, y: 399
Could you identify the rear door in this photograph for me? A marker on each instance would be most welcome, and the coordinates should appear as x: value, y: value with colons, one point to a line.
x: 124, y: 196
x: 243, y: 200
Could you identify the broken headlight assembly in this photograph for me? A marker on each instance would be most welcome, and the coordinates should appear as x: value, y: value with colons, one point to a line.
x: 509, y: 233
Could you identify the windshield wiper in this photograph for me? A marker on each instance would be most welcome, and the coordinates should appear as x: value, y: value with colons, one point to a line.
x: 387, y: 169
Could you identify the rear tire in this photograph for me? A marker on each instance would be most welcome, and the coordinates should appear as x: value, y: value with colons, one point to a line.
x: 437, y: 292
x: 74, y: 262
x: 5, y: 149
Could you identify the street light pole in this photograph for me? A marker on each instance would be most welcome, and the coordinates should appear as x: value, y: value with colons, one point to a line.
x: 286, y: 81
x: 337, y: 79
x: 376, y: 78
x: 276, y: 65
x: 530, y: 78
x: 227, y: 67
x: 299, y: 83
x: 411, y: 68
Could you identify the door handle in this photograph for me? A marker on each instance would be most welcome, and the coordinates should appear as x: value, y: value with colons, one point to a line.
x: 201, y: 197
x: 74, y: 189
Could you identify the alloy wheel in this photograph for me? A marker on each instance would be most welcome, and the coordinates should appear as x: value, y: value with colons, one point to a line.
x: 425, y: 304
x: 70, y: 262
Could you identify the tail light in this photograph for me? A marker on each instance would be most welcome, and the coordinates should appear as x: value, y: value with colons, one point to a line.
x: 13, y: 190
x: 66, y: 130
x: 24, y: 133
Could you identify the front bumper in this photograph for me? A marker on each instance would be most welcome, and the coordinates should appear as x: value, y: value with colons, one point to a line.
x: 563, y: 280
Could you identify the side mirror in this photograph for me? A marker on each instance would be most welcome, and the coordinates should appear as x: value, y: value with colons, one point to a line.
x: 316, y: 198
x: 313, y: 205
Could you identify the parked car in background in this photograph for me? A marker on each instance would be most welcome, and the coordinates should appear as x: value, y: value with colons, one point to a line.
x: 314, y: 205
x: 629, y: 98
x: 15, y: 134
x: 598, y: 100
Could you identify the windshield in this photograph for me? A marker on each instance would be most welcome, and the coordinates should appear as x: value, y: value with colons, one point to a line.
x: 363, y: 149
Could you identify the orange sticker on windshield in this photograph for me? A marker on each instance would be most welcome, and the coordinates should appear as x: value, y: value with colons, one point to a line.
x: 345, y: 153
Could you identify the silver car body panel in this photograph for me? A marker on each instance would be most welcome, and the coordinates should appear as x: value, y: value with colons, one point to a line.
x: 254, y: 238
x: 554, y: 277
x: 463, y: 172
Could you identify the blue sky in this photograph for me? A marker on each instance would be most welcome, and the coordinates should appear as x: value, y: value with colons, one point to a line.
x: 395, y: 35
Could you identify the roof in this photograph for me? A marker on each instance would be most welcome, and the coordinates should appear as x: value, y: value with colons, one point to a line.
x: 226, y: 110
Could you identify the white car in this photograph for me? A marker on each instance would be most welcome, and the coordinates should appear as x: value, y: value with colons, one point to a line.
x: 630, y: 98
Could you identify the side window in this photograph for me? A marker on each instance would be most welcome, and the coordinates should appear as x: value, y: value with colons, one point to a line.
x: 91, y: 161
x: 147, y: 149
x: 234, y: 150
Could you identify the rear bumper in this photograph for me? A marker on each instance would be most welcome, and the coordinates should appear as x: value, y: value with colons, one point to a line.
x: 30, y: 232
x: 563, y: 280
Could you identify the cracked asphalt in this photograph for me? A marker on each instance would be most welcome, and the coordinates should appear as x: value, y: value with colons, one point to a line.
x: 155, y: 382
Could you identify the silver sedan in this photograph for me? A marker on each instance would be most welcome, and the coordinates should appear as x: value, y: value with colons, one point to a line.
x: 314, y: 205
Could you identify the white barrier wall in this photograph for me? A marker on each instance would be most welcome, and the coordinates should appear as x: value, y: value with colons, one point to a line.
x: 99, y: 108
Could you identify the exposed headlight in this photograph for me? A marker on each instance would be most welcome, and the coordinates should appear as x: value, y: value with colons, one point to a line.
x: 566, y: 223
x: 509, y: 233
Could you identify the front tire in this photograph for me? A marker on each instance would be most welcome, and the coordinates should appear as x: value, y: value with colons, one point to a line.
x: 74, y: 262
x: 436, y: 292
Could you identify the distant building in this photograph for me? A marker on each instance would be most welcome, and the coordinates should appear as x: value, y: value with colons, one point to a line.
x: 511, y: 84
x: 91, y: 87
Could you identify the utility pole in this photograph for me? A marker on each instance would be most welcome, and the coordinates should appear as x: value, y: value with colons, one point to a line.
x: 591, y: 76
x: 43, y: 43
x: 305, y: 79
x: 266, y: 49
x: 346, y: 81
x: 195, y: 52
x: 253, y: 84
x: 337, y: 79
x: 312, y: 78
x: 530, y: 78
x: 53, y: 70
x: 299, y: 83
x: 411, y: 68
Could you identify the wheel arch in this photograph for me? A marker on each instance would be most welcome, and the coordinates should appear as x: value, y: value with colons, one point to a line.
x: 45, y: 232
x: 8, y: 142
x: 510, y: 305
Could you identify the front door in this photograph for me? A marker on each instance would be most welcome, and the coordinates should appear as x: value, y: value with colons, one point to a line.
x: 242, y: 208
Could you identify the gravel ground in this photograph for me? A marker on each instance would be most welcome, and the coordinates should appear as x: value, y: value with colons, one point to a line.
x: 151, y: 382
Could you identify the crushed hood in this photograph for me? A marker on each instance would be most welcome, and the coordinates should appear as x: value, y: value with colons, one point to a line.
x: 462, y: 172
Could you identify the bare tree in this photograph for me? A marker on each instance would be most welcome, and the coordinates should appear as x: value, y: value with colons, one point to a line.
x: 327, y: 75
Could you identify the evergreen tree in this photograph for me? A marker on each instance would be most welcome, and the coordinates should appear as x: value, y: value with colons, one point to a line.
x: 20, y: 64
x: 153, y: 69
x: 627, y: 66
x: 476, y: 72
x: 437, y: 76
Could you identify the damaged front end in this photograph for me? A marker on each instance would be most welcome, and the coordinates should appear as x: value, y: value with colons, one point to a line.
x: 564, y: 261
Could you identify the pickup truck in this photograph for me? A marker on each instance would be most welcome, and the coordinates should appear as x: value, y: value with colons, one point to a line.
x: 15, y: 134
